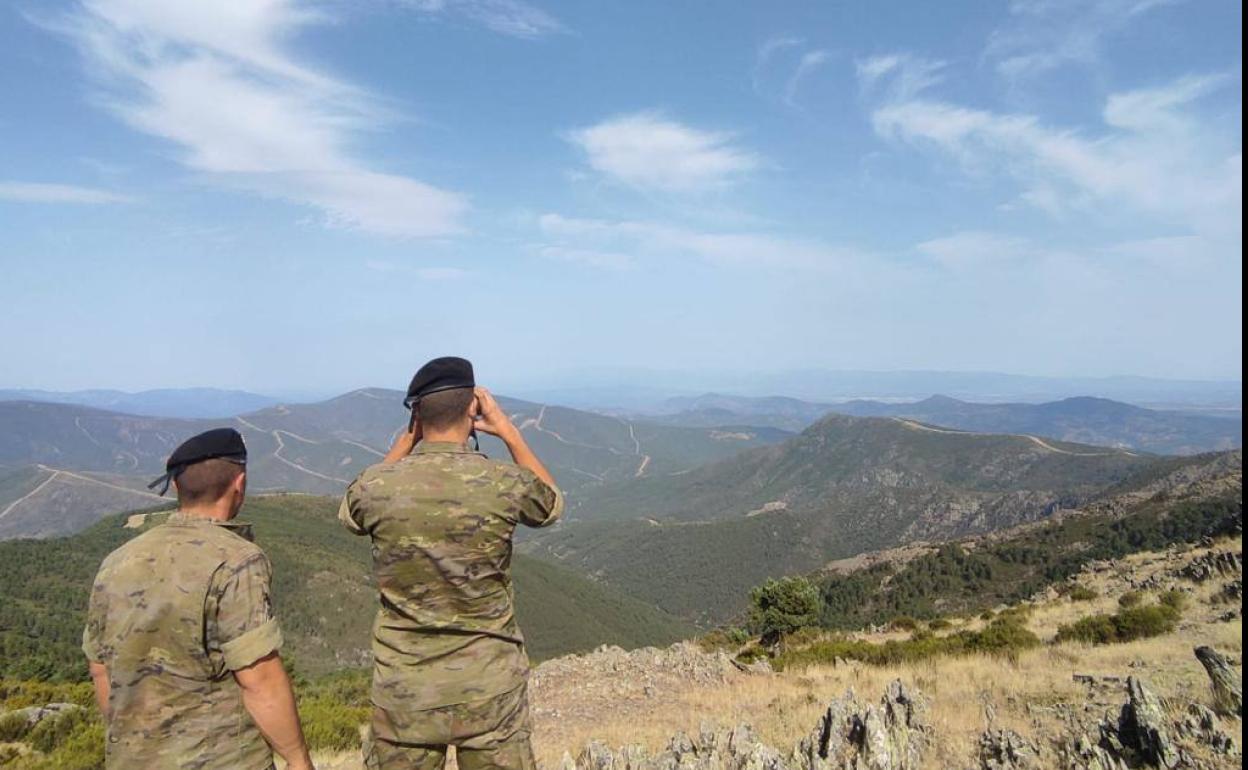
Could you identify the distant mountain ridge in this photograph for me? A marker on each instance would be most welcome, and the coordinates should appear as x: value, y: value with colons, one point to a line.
x: 62, y: 466
x: 844, y: 486
x: 1082, y: 419
x: 163, y: 402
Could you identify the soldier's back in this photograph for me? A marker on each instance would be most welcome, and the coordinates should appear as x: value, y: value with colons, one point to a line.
x: 154, y: 623
x: 441, y: 522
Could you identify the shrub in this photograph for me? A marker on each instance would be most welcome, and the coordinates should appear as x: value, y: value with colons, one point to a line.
x: 1131, y: 599
x: 1174, y: 599
x: 1125, y: 626
x: 12, y: 727
x: 939, y: 624
x: 903, y: 623
x: 780, y: 607
x: 1081, y: 593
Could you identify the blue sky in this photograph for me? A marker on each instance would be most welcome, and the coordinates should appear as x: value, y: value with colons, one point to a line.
x: 287, y: 194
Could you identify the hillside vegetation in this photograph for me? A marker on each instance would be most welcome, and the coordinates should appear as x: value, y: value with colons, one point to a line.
x: 322, y: 591
x: 844, y: 486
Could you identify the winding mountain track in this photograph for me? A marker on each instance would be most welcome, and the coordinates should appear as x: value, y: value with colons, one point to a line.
x: 277, y: 453
x: 57, y: 473
x: 913, y: 425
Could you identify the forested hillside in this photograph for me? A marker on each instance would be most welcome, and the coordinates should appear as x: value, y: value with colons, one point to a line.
x: 322, y: 591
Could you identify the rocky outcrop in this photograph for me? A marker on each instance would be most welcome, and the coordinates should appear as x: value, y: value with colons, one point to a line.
x: 1213, y: 565
x: 1007, y: 750
x: 1200, y: 726
x: 890, y: 735
x: 1228, y: 693
x: 1141, y: 728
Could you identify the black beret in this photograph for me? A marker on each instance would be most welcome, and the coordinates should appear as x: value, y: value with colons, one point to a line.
x: 446, y: 373
x: 218, y: 443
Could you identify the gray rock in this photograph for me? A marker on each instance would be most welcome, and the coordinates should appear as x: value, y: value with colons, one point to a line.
x: 1007, y: 750
x: 1228, y: 693
x: 1142, y: 727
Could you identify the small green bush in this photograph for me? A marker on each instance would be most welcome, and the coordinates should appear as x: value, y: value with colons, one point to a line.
x: 1175, y: 599
x: 12, y: 727
x: 1125, y: 626
x: 780, y: 607
x: 903, y: 623
x: 1081, y: 593
x: 1131, y: 599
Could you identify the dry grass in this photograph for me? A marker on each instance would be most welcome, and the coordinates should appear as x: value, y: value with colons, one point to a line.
x: 1035, y: 695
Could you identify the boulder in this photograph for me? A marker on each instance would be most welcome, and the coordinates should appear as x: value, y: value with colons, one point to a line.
x: 1007, y: 750
x: 1228, y: 693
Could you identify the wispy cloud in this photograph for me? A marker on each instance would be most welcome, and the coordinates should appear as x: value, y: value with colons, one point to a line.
x: 217, y: 82
x: 663, y: 241
x: 648, y: 151
x: 1042, y: 35
x: 423, y: 273
x: 39, y: 192
x: 507, y: 17
x: 900, y: 76
x: 1153, y: 154
x: 810, y: 61
x: 770, y: 47
x: 596, y: 258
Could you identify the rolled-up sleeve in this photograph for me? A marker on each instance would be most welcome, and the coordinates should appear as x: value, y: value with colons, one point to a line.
x: 246, y: 628
x: 93, y: 633
x: 348, y: 511
x: 539, y: 503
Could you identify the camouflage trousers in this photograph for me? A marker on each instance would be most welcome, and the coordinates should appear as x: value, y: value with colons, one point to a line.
x: 490, y: 734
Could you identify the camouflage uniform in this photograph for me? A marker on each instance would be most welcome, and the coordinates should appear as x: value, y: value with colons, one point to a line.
x: 173, y: 612
x: 449, y: 661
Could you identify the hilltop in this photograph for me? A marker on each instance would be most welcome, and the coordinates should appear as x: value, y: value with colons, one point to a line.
x: 1086, y: 420
x: 322, y: 592
x: 844, y: 486
x: 62, y: 466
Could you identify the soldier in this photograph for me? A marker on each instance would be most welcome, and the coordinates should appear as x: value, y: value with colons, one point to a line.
x: 449, y: 662
x: 180, y: 635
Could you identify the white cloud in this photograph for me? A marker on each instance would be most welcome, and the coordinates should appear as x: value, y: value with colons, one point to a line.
x: 648, y: 151
x: 663, y: 241
x: 1042, y: 35
x: 217, y: 83
x: 1154, y: 154
x: 508, y: 17
x: 972, y: 250
x: 902, y: 75
x: 423, y: 273
x: 810, y: 61
x: 602, y: 260
x: 40, y: 192
x: 770, y: 47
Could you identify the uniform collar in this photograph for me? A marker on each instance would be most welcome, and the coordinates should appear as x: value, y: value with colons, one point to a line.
x: 240, y: 528
x: 442, y: 447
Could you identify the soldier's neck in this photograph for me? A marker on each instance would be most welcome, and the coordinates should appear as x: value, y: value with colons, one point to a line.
x: 221, y: 510
x: 452, y: 436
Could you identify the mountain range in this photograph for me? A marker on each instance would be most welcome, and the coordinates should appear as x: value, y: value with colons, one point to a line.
x: 695, y: 542
x: 62, y: 466
x: 162, y: 402
x: 1080, y: 419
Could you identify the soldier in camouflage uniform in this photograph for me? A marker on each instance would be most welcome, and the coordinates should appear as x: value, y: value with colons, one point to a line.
x: 180, y: 638
x: 449, y: 661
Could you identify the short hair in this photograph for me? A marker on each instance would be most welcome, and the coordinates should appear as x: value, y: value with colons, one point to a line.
x: 444, y: 409
x: 206, y: 481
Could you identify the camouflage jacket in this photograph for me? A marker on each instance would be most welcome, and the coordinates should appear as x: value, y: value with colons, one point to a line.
x: 441, y: 522
x: 173, y: 612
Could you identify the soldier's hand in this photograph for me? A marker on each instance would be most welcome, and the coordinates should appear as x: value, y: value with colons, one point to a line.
x: 404, y: 443
x: 490, y: 416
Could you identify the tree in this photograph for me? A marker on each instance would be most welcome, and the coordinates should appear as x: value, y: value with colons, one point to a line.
x: 780, y: 607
